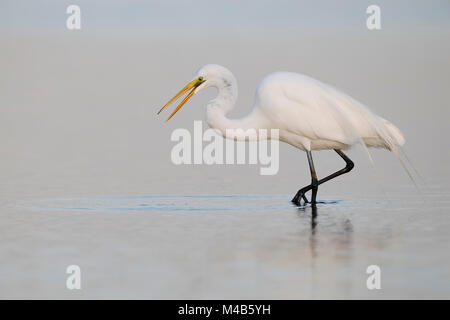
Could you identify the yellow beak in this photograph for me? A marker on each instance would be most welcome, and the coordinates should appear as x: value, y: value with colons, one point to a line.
x: 191, y: 85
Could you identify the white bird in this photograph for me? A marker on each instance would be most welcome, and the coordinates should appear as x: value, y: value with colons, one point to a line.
x: 309, y: 114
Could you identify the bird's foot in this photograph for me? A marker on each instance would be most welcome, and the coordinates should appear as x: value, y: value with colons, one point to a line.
x: 297, y: 200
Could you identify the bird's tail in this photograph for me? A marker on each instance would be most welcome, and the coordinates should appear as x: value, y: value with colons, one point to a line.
x: 395, y: 133
x: 394, y: 141
x: 398, y: 152
x: 390, y: 137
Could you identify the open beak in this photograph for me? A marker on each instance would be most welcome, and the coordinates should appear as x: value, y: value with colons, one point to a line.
x: 191, y: 85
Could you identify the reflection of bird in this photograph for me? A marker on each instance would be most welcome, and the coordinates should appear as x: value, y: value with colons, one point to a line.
x: 309, y: 114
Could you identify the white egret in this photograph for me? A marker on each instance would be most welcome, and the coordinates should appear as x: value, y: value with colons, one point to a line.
x: 309, y: 114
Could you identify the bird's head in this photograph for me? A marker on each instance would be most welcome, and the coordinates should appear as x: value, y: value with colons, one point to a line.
x: 210, y: 75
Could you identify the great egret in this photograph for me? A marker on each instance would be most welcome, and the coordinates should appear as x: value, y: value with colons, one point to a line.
x: 309, y: 114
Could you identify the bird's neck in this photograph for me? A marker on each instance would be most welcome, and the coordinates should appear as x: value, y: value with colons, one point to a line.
x: 218, y: 108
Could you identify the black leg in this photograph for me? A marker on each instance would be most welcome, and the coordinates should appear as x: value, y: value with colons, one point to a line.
x: 349, y: 165
x: 314, y: 183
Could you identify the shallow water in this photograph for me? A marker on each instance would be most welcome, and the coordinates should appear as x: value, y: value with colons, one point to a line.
x: 86, y: 176
x: 214, y: 203
x: 231, y: 246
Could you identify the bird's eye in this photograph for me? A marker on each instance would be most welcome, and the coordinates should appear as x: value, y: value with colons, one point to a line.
x: 200, y: 78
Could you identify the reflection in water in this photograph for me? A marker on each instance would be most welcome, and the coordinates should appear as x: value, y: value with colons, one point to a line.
x: 313, y: 248
x: 331, y: 247
x: 230, y: 246
x: 313, y: 219
x: 337, y: 226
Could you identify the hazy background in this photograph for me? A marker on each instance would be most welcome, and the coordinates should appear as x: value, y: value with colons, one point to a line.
x: 78, y: 129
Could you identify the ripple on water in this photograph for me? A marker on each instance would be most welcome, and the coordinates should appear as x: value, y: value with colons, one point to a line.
x: 232, y: 203
x: 169, y: 203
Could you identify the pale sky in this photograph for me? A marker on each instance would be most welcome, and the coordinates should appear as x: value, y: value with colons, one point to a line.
x: 171, y: 14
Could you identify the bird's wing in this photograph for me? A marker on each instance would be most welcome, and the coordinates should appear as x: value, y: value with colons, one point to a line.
x: 315, y: 110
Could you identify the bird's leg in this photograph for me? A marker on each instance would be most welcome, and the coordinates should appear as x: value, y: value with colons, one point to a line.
x: 314, y: 183
x: 313, y: 186
x: 348, y: 167
x: 301, y: 195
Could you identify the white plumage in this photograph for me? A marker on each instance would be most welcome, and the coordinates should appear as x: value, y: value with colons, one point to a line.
x: 309, y: 114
